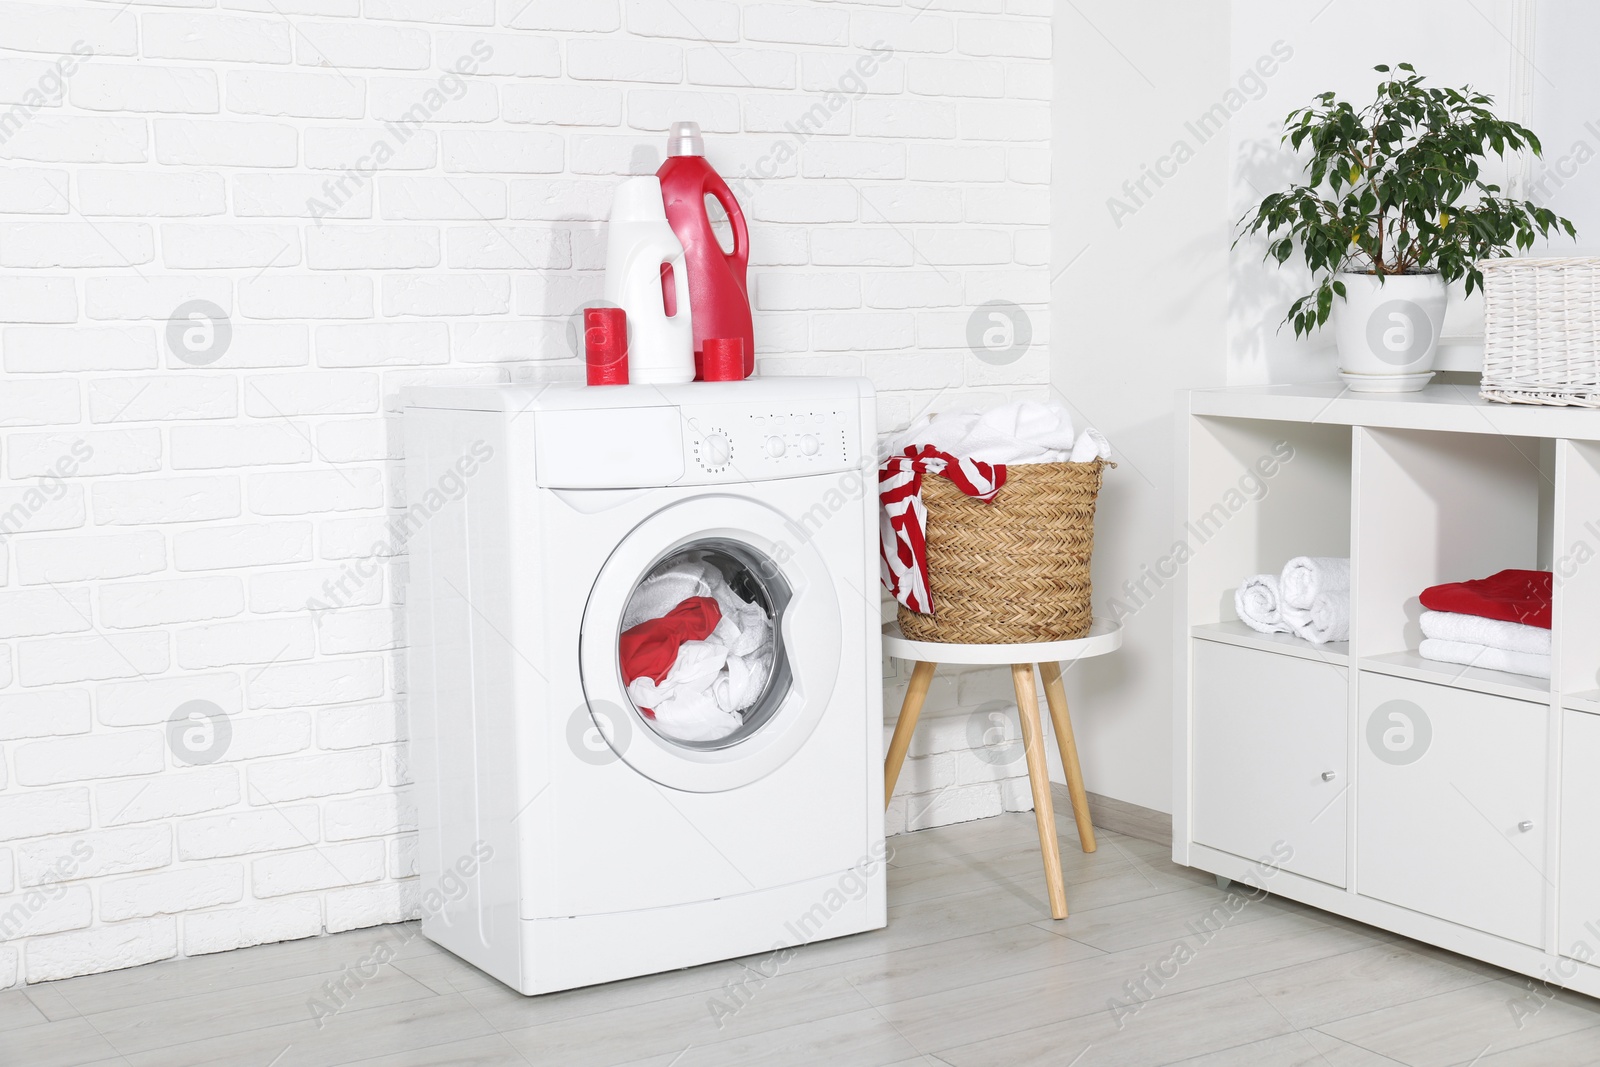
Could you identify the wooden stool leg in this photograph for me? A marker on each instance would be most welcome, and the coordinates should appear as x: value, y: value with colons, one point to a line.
x: 1039, y: 779
x: 1055, y: 695
x: 910, y: 709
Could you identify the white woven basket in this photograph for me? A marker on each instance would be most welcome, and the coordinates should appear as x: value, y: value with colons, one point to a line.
x: 1541, y: 331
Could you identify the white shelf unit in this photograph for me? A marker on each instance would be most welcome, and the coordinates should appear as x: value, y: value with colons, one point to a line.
x: 1456, y: 805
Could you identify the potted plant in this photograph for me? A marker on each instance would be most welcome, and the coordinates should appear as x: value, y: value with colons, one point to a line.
x: 1393, y: 210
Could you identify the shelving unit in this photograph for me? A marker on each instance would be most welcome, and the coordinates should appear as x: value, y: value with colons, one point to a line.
x: 1449, y: 803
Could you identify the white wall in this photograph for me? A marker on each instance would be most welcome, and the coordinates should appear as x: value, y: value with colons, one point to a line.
x: 1335, y: 49
x: 1565, y: 84
x: 1138, y: 303
x: 1149, y: 299
x: 167, y: 523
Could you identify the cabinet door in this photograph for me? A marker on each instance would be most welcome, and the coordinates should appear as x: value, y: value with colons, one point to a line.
x: 1579, y: 908
x: 1450, y: 804
x: 1269, y: 758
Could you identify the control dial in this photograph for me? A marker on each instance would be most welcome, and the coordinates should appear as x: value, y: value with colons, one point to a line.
x: 715, y: 451
x: 810, y: 445
x: 776, y: 447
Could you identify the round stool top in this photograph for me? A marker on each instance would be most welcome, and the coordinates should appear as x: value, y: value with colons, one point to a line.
x: 1103, y: 637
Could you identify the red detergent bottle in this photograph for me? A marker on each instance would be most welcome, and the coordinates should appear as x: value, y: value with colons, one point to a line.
x: 718, y: 299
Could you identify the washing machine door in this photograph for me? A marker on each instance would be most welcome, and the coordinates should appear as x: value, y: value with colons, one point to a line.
x: 734, y: 724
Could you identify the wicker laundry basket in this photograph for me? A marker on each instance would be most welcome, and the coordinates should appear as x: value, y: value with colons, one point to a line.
x: 1013, y: 570
x: 1541, y: 331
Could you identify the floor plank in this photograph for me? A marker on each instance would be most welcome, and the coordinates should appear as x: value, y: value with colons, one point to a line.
x: 1304, y: 1048
x: 67, y: 1043
x: 1120, y: 985
x: 1465, y: 1024
x: 1205, y: 1020
x: 1338, y: 987
x: 17, y: 1011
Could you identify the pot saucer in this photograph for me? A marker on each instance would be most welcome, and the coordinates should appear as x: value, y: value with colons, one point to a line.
x: 1386, y: 383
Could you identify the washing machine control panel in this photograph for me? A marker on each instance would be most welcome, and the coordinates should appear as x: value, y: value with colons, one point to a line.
x: 739, y: 444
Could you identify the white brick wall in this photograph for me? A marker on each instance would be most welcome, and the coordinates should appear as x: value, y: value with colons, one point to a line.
x: 966, y: 759
x: 169, y: 505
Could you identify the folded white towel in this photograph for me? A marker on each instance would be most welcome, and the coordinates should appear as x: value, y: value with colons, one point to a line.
x: 1327, y: 619
x: 1494, y: 659
x: 1256, y: 601
x: 1306, y: 576
x: 1492, y: 633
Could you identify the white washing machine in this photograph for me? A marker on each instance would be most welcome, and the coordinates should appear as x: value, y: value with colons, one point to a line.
x: 566, y: 837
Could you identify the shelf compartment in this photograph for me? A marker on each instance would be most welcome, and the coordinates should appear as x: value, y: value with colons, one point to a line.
x: 1260, y: 493
x: 1576, y: 566
x: 1436, y: 507
x: 1456, y: 676
x: 1237, y: 633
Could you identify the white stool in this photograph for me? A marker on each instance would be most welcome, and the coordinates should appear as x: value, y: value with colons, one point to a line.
x: 1103, y: 637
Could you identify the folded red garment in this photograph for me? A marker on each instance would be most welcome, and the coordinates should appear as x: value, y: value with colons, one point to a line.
x: 651, y: 648
x: 1510, y: 596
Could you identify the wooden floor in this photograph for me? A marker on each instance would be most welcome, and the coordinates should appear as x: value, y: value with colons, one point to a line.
x: 970, y: 972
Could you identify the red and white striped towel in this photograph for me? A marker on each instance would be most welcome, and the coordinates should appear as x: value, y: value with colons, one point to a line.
x: 903, y: 521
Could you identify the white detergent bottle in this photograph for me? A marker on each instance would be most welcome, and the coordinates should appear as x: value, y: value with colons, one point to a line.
x: 647, y: 278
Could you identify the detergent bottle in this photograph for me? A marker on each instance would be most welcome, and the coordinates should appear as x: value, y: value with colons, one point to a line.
x: 646, y: 277
x: 717, y: 287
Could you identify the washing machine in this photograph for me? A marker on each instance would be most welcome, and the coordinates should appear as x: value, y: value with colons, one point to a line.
x: 567, y: 837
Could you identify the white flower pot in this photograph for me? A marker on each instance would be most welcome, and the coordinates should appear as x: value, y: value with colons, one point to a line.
x: 1388, y: 330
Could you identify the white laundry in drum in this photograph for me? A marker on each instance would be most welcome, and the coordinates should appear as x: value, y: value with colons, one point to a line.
x: 715, y: 680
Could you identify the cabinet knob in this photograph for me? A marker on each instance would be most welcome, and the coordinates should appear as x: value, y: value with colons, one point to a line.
x: 1525, y: 825
x: 1328, y: 776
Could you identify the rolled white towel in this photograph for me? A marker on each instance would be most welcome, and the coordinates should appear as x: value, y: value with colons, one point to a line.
x: 1327, y: 619
x: 1256, y: 601
x: 1494, y: 659
x: 1306, y: 576
x: 1492, y: 633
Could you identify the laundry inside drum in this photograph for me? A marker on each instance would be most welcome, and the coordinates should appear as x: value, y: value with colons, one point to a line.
x: 701, y: 649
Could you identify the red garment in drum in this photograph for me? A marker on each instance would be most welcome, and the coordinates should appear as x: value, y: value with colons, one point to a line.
x: 651, y: 648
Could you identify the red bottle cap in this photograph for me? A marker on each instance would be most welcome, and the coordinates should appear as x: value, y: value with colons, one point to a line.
x: 722, y: 359
x: 605, y: 345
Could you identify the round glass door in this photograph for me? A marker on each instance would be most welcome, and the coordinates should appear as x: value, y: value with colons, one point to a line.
x: 715, y: 632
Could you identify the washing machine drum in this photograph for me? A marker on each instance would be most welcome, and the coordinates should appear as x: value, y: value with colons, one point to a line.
x: 741, y: 696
